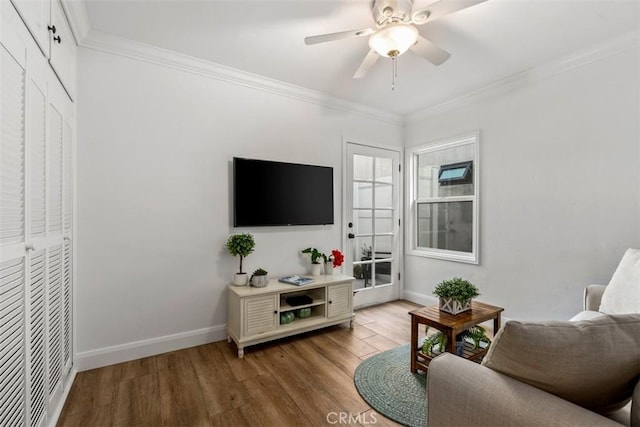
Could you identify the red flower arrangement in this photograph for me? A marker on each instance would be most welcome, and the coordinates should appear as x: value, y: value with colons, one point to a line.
x: 337, y: 257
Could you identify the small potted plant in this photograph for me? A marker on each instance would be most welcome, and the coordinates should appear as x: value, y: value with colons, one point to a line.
x: 476, y: 334
x: 455, y: 295
x: 317, y: 259
x: 333, y: 261
x: 259, y: 278
x: 240, y: 245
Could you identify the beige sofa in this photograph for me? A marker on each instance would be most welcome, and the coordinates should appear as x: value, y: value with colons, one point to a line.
x: 464, y: 393
x: 552, y: 373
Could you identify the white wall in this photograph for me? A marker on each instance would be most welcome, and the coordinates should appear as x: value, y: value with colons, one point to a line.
x: 559, y: 187
x: 154, y: 152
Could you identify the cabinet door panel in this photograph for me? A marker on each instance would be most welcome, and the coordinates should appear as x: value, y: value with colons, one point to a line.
x: 339, y: 300
x: 37, y: 158
x: 12, y: 150
x: 12, y: 352
x: 54, y: 325
x: 63, y: 49
x: 37, y: 343
x: 54, y: 206
x: 35, y: 14
x: 260, y: 314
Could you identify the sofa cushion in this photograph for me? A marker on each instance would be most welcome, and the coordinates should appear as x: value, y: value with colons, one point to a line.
x: 587, y: 315
x: 622, y: 295
x: 592, y: 363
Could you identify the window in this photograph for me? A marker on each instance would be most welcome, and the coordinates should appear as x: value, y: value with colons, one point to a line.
x: 443, y: 199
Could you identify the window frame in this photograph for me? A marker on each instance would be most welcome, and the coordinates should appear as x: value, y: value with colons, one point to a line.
x: 412, y: 201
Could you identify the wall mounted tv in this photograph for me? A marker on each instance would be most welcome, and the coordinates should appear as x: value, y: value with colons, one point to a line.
x: 268, y: 193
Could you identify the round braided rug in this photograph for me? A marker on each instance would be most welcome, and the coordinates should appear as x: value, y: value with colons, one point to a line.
x: 386, y: 383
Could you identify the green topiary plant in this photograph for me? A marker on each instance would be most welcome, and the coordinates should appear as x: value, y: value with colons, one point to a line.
x: 457, y: 289
x: 240, y: 245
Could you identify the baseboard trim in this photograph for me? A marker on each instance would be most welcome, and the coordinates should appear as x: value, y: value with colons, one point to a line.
x: 98, y: 358
x: 419, y: 298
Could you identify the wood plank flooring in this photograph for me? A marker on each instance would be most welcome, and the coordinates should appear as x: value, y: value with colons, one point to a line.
x: 297, y: 381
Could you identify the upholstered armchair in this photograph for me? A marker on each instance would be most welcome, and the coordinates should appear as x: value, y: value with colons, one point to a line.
x: 583, y: 372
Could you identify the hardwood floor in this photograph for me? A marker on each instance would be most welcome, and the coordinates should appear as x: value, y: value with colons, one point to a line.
x: 300, y: 381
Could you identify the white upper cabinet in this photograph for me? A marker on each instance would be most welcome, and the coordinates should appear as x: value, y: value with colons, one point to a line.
x: 36, y: 14
x: 48, y: 25
x: 62, y: 54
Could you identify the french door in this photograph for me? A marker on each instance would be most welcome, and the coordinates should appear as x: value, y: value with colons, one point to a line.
x: 372, y: 222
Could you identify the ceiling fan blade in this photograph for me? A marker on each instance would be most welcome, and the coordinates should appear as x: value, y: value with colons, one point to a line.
x: 337, y: 36
x: 441, y: 8
x: 366, y: 64
x: 430, y: 51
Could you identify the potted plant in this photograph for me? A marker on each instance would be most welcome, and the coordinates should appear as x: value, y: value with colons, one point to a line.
x: 240, y: 245
x: 317, y: 259
x: 476, y: 335
x: 259, y: 278
x: 333, y: 261
x: 455, y: 295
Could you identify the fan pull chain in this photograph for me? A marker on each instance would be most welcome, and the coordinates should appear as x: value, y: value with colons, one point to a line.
x: 394, y: 73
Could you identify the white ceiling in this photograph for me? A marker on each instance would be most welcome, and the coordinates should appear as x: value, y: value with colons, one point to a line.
x: 488, y: 42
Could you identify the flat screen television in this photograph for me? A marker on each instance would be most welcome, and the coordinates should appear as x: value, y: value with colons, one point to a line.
x: 269, y: 193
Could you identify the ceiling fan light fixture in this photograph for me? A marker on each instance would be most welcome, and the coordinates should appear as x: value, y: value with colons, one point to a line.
x: 394, y: 39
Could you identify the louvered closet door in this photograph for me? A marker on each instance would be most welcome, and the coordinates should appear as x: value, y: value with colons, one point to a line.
x: 67, y: 261
x: 36, y: 239
x: 35, y: 229
x: 37, y: 383
x: 12, y: 234
x: 54, y: 251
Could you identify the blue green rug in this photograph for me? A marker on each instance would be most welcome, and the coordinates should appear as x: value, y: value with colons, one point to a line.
x: 386, y: 383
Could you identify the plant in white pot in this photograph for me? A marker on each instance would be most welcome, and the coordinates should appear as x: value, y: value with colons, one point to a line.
x: 259, y: 278
x: 317, y: 260
x: 455, y: 295
x: 241, y: 245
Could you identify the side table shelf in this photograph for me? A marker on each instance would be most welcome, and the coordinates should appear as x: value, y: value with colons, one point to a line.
x: 253, y: 315
x: 423, y: 360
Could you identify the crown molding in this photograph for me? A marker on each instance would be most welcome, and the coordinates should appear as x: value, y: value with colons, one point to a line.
x: 578, y: 59
x: 143, y: 52
x: 78, y: 18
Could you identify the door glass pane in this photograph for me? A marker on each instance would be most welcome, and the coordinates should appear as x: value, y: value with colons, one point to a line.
x: 384, y: 170
x: 446, y: 225
x: 362, y: 168
x: 384, y: 221
x: 384, y: 196
x: 362, y: 195
x: 362, y: 222
x: 431, y: 183
x: 383, y: 246
x: 362, y: 262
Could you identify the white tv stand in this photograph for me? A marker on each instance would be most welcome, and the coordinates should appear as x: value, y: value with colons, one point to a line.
x: 254, y: 313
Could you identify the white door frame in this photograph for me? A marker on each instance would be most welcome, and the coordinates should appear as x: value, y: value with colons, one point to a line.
x: 384, y: 293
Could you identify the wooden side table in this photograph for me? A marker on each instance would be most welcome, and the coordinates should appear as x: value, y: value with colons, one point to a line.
x: 450, y: 325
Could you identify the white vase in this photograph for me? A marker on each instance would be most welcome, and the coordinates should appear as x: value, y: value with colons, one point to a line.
x: 241, y: 279
x: 316, y: 269
x: 328, y: 268
x: 454, y: 307
x: 260, y: 281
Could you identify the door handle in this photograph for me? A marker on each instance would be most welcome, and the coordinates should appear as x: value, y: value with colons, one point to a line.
x: 351, y: 235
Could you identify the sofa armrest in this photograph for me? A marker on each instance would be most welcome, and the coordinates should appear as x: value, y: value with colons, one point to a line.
x: 593, y: 296
x: 464, y: 393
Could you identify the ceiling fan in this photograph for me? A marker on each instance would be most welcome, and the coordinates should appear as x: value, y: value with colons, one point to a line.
x: 395, y: 31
